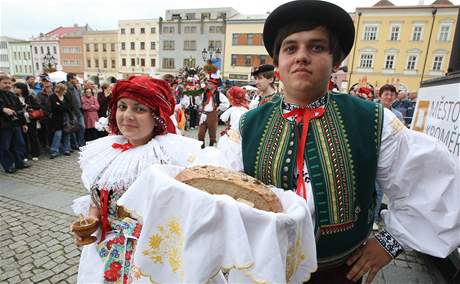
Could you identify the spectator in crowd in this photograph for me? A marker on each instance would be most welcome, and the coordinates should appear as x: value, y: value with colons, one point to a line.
x: 387, y: 95
x: 12, y: 145
x: 30, y: 80
x: 43, y: 125
x: 90, y: 107
x: 77, y: 139
x: 60, y: 114
x: 103, y: 98
x: 403, y: 105
x: 29, y: 103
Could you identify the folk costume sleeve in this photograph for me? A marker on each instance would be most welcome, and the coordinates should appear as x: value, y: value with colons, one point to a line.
x: 422, y: 181
x: 224, y: 103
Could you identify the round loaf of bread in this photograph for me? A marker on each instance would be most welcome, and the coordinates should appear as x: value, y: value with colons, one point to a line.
x: 240, y: 186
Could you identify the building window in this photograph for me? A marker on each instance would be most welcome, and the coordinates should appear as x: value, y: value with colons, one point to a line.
x: 190, y: 16
x: 370, y: 32
x: 96, y: 63
x: 189, y: 29
x: 212, y: 29
x: 417, y: 33
x: 189, y: 62
x: 35, y: 50
x: 142, y: 62
x: 122, y: 31
x: 112, y: 47
x: 48, y: 49
x: 234, y: 59
x: 189, y: 44
x: 153, y: 30
x: 142, y: 30
x: 437, y: 62
x: 153, y: 62
x: 133, y: 61
x: 142, y: 45
x: 206, y: 16
x: 366, y: 60
x: 88, y: 63
x: 411, y: 62
x: 168, y: 45
x: 123, y: 62
x: 444, y: 32
x: 215, y: 43
x: 104, y: 47
x: 389, y: 61
x: 131, y: 31
x: 104, y: 63
x: 250, y: 39
x: 113, y: 64
x: 123, y: 46
x: 54, y: 50
x: 263, y: 59
x: 41, y: 50
x: 152, y: 45
x: 87, y: 47
x: 234, y: 39
x: 96, y: 47
x: 133, y: 45
x: 248, y: 60
x: 15, y: 55
x: 168, y: 30
x: 168, y: 63
x: 395, y: 31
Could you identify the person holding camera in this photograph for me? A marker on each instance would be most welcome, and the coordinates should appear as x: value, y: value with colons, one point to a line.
x: 12, y: 146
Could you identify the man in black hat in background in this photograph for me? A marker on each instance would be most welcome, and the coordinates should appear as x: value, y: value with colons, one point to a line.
x: 265, y: 82
x: 332, y: 148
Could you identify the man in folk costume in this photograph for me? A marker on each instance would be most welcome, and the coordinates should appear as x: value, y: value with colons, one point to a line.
x: 265, y: 82
x: 332, y: 148
x: 213, y: 101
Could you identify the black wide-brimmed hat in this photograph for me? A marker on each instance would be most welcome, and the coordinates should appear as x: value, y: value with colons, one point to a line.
x: 336, y: 19
x: 262, y: 69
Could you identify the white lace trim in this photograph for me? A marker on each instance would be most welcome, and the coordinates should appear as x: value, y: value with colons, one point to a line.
x: 104, y: 166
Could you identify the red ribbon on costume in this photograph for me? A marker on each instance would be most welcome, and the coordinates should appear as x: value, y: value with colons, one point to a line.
x: 122, y: 147
x: 104, y: 200
x: 303, y: 115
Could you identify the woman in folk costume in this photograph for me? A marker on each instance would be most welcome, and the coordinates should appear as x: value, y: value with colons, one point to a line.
x: 139, y: 118
x: 231, y: 137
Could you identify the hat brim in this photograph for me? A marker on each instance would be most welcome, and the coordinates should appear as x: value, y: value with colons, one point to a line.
x: 337, y: 21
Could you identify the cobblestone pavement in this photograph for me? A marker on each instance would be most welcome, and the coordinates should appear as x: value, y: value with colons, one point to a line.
x: 35, y: 245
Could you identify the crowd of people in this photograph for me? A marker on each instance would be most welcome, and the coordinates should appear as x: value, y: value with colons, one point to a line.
x: 45, y: 118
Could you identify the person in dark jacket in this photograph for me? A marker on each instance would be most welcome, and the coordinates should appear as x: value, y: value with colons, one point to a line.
x: 12, y: 146
x: 77, y: 139
x: 60, y: 114
x: 29, y: 103
x: 43, y: 125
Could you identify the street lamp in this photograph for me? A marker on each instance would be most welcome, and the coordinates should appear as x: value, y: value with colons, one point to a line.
x: 49, y: 61
x: 211, y: 52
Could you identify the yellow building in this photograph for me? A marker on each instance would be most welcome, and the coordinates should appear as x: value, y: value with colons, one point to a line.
x: 100, y: 55
x: 244, y: 47
x: 403, y: 45
x: 138, y: 45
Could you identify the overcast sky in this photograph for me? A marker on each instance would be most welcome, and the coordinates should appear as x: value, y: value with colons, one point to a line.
x: 25, y: 18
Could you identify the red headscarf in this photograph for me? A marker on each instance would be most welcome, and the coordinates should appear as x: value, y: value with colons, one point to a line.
x: 153, y: 93
x: 237, y: 97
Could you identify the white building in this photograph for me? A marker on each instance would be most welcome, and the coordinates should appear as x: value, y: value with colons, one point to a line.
x: 20, y: 54
x: 5, y: 65
x: 45, y: 53
x: 138, y: 45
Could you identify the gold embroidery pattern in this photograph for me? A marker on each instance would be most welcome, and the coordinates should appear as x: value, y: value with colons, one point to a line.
x: 167, y: 246
x: 294, y: 258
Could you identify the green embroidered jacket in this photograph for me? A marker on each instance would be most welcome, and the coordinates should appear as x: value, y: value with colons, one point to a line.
x: 341, y: 155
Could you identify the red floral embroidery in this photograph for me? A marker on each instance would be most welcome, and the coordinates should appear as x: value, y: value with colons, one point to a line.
x: 128, y: 255
x: 111, y: 275
x: 137, y: 230
x: 115, y: 266
x: 120, y: 240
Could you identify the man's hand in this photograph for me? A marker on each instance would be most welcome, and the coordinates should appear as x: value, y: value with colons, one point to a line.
x: 25, y: 128
x: 8, y: 111
x: 369, y: 258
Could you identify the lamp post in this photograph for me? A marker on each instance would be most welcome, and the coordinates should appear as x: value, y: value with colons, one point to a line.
x: 49, y: 61
x: 211, y: 52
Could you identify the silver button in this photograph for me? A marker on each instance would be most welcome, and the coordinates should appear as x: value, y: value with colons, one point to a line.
x: 285, y: 185
x: 285, y: 169
x: 289, y: 152
x: 288, y: 160
x: 291, y: 143
x: 284, y: 178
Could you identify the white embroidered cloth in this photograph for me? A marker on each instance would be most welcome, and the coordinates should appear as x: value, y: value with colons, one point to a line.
x: 188, y: 235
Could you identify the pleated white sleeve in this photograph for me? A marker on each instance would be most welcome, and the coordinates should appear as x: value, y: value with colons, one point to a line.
x: 422, y: 181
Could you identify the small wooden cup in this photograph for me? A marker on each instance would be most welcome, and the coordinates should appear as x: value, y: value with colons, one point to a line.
x: 84, y: 228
